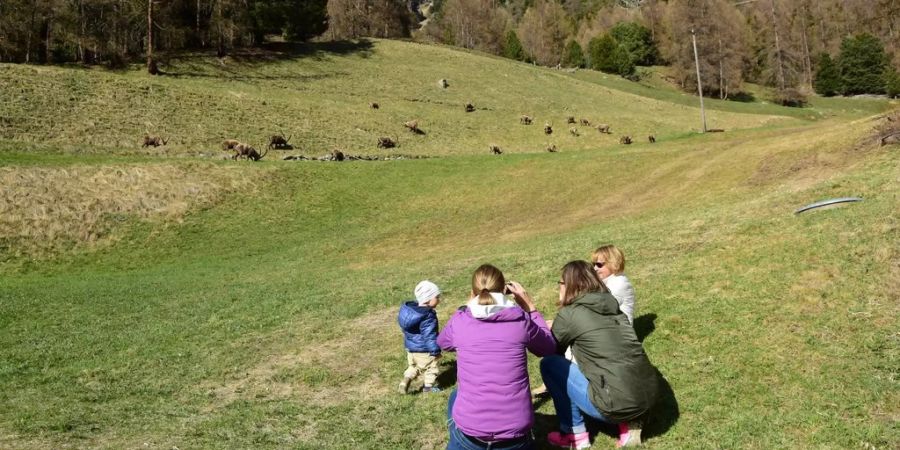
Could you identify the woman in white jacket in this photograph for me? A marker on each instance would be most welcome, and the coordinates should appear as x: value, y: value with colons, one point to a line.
x: 609, y: 263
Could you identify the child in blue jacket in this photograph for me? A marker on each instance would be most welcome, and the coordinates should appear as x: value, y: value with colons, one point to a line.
x: 419, y: 323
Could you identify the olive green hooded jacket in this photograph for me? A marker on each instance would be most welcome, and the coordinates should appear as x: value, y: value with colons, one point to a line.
x: 623, y: 383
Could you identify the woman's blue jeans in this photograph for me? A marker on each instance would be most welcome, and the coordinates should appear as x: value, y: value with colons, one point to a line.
x: 459, y: 441
x: 570, y: 392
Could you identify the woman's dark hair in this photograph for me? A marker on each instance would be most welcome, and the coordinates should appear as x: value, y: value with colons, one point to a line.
x: 579, y: 278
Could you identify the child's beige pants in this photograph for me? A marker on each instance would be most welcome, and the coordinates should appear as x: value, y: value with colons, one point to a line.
x: 421, y: 363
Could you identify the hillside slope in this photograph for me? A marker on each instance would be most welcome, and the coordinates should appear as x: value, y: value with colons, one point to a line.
x: 237, y: 305
x: 320, y: 95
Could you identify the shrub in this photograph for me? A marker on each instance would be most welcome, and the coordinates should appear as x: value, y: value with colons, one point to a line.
x: 790, y: 97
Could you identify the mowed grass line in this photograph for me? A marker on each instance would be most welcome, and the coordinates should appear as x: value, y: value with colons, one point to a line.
x: 267, y: 321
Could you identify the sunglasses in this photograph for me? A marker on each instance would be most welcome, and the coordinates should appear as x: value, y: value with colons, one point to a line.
x: 599, y: 264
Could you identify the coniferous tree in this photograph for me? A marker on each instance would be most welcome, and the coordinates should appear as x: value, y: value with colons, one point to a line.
x: 720, y: 31
x: 602, y: 52
x: 827, y: 80
x: 512, y: 47
x: 892, y: 82
x: 638, y: 42
x: 573, y: 56
x: 623, y: 61
x: 544, y: 30
x: 862, y: 63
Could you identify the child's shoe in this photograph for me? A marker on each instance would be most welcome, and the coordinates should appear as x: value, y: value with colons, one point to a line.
x: 427, y: 389
x: 404, y: 385
x: 629, y: 434
x: 569, y: 440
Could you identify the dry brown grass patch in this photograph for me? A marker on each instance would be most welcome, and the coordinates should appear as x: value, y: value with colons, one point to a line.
x: 46, y: 210
x: 346, y: 356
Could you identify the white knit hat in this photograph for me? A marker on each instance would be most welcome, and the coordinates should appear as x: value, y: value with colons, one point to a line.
x: 425, y: 291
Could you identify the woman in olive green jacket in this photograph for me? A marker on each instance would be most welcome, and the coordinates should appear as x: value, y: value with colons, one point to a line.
x: 613, y: 379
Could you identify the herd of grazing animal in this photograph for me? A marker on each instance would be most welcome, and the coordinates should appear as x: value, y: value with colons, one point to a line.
x: 280, y: 142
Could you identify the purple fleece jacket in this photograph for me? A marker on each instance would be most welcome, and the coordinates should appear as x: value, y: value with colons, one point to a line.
x: 493, y: 400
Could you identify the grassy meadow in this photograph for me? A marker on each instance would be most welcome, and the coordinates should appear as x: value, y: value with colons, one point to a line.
x: 168, y: 297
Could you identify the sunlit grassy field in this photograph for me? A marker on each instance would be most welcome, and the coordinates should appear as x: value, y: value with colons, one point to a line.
x: 225, y: 304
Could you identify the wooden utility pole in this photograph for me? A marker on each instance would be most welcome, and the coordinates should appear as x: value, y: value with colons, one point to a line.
x: 778, y: 48
x: 699, y: 83
x: 151, y: 64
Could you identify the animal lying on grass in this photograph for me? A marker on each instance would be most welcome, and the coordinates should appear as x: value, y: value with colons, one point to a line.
x: 278, y: 141
x: 153, y: 141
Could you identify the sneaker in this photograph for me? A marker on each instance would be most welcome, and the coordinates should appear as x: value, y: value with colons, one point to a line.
x: 430, y: 389
x: 404, y: 385
x: 569, y: 440
x: 629, y: 434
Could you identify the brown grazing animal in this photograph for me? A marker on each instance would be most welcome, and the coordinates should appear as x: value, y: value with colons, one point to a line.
x: 652, y: 139
x: 552, y: 148
x: 525, y: 120
x: 570, y: 119
x: 470, y: 107
x: 574, y: 131
x: 229, y: 144
x: 625, y: 140
x: 373, y: 105
x: 495, y: 149
x: 280, y: 142
x: 337, y: 155
x: 386, y: 142
x: 603, y: 128
x: 548, y: 129
x: 245, y: 150
x: 412, y: 125
x: 154, y: 141
x: 586, y: 122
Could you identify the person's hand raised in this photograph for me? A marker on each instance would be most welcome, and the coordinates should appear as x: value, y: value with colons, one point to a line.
x: 523, y: 299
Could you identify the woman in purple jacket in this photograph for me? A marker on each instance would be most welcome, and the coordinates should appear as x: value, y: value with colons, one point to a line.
x: 491, y: 407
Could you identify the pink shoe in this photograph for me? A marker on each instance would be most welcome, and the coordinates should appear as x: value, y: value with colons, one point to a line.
x: 569, y: 440
x: 629, y: 435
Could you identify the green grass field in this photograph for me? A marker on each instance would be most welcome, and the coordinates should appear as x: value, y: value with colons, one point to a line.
x: 160, y: 298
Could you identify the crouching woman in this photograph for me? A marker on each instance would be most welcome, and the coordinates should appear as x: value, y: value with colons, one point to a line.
x: 613, y: 380
x: 491, y: 407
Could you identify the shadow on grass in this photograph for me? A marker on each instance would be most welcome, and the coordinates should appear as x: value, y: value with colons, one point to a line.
x: 659, y: 420
x: 742, y: 97
x: 234, y: 65
x: 447, y: 377
x: 644, y: 325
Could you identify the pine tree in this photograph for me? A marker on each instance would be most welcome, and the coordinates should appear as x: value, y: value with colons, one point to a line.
x: 827, y: 80
x: 862, y: 63
x: 638, y: 41
x: 512, y: 47
x: 573, y: 56
x: 892, y: 82
x: 602, y: 52
x: 623, y: 61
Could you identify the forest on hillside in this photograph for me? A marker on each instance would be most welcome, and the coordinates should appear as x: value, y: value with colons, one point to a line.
x: 832, y: 46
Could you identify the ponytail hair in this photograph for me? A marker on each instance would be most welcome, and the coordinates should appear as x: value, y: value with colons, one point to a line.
x: 485, y: 280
